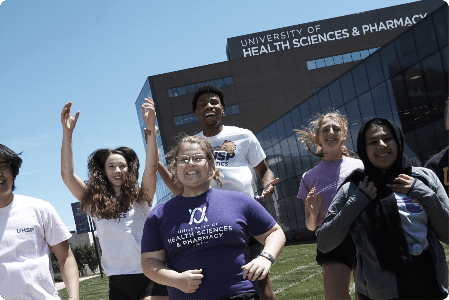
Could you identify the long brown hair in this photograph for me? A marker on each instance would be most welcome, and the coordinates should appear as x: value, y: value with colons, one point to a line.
x: 205, y: 146
x: 99, y: 198
x: 309, y: 135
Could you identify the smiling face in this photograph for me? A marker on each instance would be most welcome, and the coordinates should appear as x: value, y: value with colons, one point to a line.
x: 331, y: 136
x: 193, y: 169
x: 381, y: 146
x: 116, y: 169
x: 209, y: 110
x: 6, y: 180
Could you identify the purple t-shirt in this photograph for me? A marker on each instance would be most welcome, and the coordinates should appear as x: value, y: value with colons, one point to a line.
x: 208, y: 232
x: 327, y: 177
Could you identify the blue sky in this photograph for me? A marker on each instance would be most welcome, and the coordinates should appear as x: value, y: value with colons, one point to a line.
x: 97, y: 54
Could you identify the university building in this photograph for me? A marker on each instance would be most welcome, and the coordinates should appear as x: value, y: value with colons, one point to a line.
x: 390, y: 62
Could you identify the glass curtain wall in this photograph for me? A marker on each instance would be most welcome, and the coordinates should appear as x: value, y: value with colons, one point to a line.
x: 404, y: 81
x: 163, y: 193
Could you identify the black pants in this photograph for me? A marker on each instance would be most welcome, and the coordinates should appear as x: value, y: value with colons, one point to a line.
x: 417, y: 280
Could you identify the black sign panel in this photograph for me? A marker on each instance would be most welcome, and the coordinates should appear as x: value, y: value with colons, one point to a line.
x: 82, y: 225
x: 329, y: 30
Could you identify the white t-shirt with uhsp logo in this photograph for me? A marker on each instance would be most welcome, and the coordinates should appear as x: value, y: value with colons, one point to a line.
x: 28, y: 226
x: 237, y: 151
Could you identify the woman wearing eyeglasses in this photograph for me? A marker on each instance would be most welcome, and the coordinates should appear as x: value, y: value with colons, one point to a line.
x: 196, y: 243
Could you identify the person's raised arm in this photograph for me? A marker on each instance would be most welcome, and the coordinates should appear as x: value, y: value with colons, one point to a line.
x: 149, y: 177
x: 71, y: 180
x: 273, y: 241
x: 267, y: 178
x: 312, y: 208
x: 169, y: 179
x: 69, y: 268
x: 154, y: 267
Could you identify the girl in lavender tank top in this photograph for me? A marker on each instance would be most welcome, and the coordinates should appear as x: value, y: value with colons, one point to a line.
x: 327, y: 134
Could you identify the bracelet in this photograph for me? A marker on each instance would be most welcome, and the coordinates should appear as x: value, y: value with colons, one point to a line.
x: 72, y: 298
x: 150, y: 132
x: 267, y: 256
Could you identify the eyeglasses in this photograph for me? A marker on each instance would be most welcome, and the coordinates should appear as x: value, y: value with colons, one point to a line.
x: 4, y: 166
x: 184, y: 160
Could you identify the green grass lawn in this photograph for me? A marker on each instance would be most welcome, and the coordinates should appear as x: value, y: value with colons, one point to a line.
x: 295, y: 275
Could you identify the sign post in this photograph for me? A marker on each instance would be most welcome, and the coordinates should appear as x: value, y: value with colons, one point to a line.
x: 85, y: 224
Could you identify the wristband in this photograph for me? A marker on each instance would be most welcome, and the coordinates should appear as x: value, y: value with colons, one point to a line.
x: 267, y: 256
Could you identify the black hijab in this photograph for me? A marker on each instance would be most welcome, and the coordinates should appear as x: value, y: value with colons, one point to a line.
x: 388, y: 235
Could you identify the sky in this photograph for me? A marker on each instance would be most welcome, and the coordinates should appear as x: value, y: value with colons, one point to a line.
x: 98, y: 54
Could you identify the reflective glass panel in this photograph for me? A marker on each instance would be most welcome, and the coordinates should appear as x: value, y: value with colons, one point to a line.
x: 172, y: 92
x: 280, y: 129
x: 182, y: 90
x: 347, y: 57
x: 235, y: 109
x: 360, y: 79
x: 179, y: 120
x: 325, y: 101
x: 228, y: 81
x: 364, y: 54
x: 338, y: 59
x: 366, y: 107
x: 191, y: 88
x: 347, y: 87
x: 356, y: 56
x: 329, y: 61
x: 381, y: 102
x: 219, y: 82
x: 320, y: 63
x: 311, y: 65
x: 374, y: 70
x: 335, y: 94
x: 314, y: 105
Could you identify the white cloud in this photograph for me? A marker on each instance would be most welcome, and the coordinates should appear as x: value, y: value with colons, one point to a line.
x: 1, y: 1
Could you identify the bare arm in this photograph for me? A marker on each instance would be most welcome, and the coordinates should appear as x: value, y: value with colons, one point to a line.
x: 312, y: 208
x: 149, y: 177
x: 267, y: 177
x: 71, y: 180
x: 154, y: 267
x: 168, y: 178
x: 68, y: 266
x: 273, y: 241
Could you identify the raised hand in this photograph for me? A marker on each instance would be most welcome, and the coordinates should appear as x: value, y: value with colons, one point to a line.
x: 368, y: 188
x: 190, y: 281
x: 149, y: 114
x: 313, y: 202
x: 401, y: 184
x: 68, y: 122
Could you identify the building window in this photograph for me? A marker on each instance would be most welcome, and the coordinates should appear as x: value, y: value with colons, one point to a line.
x: 339, y: 59
x: 192, y: 118
x: 191, y: 88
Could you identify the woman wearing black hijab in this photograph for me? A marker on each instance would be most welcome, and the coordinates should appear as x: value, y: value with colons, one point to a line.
x: 396, y: 215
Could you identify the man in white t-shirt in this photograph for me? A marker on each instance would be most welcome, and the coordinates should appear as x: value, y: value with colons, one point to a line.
x: 29, y: 227
x: 237, y: 152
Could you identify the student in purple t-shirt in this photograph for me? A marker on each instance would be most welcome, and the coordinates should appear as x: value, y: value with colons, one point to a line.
x: 196, y: 243
x: 318, y: 187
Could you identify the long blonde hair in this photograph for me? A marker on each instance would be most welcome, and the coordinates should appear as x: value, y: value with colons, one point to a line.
x: 205, y: 146
x: 309, y: 135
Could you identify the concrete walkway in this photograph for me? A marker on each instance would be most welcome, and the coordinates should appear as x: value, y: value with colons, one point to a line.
x: 60, y: 285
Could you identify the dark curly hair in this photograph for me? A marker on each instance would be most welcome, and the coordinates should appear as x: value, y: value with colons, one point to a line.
x: 205, y: 146
x: 99, y: 198
x: 205, y: 89
x: 13, y: 159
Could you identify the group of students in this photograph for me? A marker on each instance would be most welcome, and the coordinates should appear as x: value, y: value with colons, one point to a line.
x: 377, y: 216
